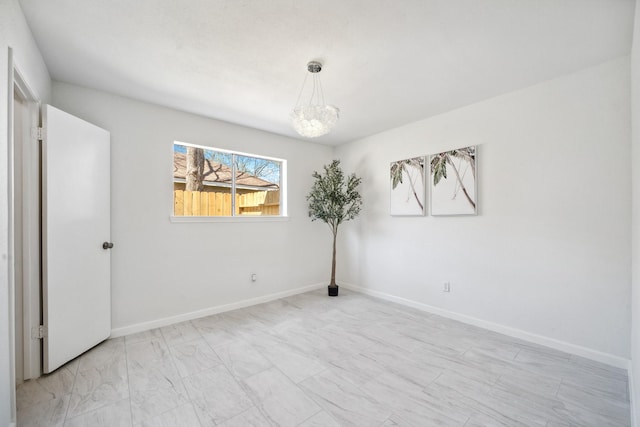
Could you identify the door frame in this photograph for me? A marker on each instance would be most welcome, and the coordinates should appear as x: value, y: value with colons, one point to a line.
x: 31, y: 227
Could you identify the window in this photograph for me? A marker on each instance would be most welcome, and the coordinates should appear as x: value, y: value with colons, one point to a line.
x: 214, y: 182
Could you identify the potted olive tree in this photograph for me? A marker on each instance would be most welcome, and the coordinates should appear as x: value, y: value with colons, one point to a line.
x: 334, y: 200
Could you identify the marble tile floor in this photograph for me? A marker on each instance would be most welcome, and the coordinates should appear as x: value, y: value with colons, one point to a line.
x: 310, y: 360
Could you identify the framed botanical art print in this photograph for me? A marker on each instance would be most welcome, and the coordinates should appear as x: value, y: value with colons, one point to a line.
x: 453, y: 182
x: 407, y: 179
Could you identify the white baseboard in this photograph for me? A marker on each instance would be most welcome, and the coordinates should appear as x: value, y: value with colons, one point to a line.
x: 158, y: 323
x: 609, y: 359
x: 632, y: 396
x: 588, y: 353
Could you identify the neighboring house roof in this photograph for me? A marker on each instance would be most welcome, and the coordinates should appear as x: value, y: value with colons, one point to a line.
x: 217, y: 174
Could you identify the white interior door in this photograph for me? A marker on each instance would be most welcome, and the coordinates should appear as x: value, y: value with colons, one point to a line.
x: 76, y: 222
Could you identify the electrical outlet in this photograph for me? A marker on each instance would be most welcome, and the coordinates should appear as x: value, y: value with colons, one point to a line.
x: 446, y: 287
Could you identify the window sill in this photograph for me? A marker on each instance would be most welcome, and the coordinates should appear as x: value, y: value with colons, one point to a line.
x: 194, y: 219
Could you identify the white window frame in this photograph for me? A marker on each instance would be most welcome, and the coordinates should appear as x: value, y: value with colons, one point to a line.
x: 237, y: 218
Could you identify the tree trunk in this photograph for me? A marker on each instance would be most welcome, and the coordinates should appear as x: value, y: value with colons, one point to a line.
x: 333, y: 260
x: 195, y: 169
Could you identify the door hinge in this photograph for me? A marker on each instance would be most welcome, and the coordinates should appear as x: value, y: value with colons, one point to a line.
x: 37, y: 133
x: 38, y: 332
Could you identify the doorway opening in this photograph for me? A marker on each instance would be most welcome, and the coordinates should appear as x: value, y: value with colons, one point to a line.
x: 25, y: 228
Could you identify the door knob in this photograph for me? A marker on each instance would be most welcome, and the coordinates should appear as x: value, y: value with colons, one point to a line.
x: 107, y: 245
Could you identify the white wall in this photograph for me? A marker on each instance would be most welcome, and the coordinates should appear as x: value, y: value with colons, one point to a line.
x: 162, y: 269
x: 14, y: 33
x: 548, y: 253
x: 635, y: 215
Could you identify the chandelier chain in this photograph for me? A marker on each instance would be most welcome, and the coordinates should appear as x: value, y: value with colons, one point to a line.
x: 304, y: 82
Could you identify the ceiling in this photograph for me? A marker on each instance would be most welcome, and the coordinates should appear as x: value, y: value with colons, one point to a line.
x: 386, y: 62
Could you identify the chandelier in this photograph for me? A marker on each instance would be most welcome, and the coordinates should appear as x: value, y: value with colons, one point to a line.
x: 314, y: 118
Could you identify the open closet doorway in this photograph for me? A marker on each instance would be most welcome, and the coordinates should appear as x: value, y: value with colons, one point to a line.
x: 59, y: 269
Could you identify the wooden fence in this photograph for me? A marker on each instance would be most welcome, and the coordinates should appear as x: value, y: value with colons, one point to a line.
x: 259, y: 203
x: 197, y: 203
